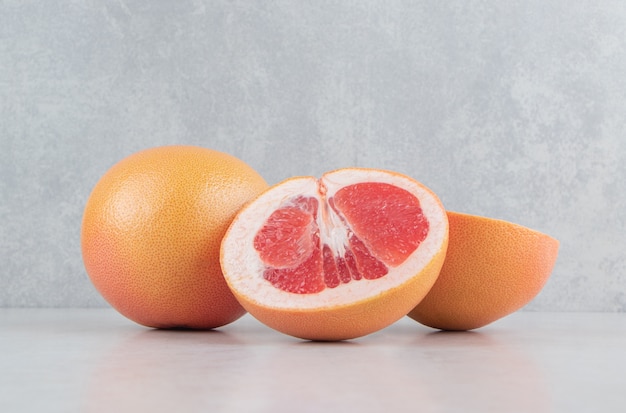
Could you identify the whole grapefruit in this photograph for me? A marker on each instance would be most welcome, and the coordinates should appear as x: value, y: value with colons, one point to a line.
x: 151, y: 235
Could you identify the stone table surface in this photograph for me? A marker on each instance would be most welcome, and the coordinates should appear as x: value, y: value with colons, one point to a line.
x: 95, y: 360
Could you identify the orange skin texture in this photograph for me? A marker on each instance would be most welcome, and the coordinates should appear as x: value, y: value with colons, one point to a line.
x: 151, y: 235
x: 492, y: 269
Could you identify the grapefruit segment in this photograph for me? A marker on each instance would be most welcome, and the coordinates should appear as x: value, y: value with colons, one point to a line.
x: 389, y: 218
x: 319, y: 258
x: 286, y: 239
x: 367, y: 266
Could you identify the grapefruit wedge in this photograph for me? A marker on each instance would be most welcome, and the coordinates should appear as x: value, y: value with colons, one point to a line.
x: 338, y: 257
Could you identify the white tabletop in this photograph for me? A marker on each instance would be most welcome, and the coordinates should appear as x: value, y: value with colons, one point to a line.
x: 94, y: 360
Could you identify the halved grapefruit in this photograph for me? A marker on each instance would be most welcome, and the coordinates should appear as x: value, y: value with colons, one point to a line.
x: 337, y: 257
x: 492, y: 269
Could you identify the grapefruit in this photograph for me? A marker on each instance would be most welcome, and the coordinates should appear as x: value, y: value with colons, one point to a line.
x: 151, y: 234
x: 492, y: 269
x: 338, y: 257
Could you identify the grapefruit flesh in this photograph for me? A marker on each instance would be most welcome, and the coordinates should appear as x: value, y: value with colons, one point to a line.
x: 336, y: 257
x: 492, y: 269
x: 371, y: 219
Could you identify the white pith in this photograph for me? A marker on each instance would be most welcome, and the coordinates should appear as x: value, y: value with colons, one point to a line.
x: 332, y: 229
x: 243, y: 268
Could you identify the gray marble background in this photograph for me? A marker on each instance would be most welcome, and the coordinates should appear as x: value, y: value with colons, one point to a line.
x: 510, y: 109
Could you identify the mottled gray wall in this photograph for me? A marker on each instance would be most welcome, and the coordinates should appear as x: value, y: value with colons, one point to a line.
x: 510, y: 109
